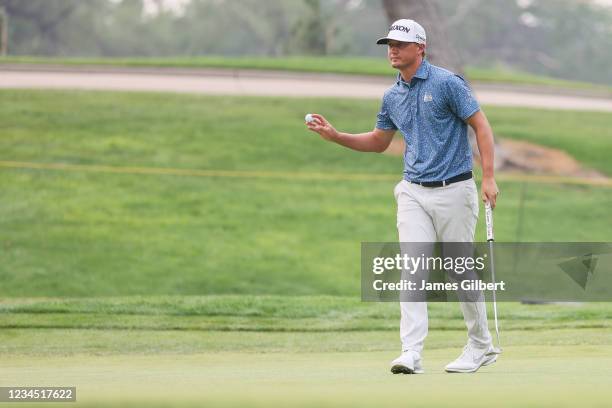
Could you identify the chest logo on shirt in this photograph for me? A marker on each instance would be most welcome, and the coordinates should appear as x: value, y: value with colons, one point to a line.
x: 427, y: 97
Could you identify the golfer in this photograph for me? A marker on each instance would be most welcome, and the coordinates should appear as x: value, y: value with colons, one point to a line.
x: 437, y: 199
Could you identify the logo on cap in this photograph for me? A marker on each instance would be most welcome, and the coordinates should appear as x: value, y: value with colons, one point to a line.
x: 399, y: 28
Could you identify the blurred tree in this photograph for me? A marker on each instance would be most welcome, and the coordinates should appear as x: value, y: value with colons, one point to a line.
x: 564, y: 38
x: 42, y: 18
x: 574, y: 39
x: 324, y: 28
x: 3, y: 32
x: 490, y: 30
x: 308, y: 33
x: 39, y: 26
x: 237, y: 27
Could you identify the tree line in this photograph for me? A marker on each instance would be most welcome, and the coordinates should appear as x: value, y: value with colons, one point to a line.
x: 563, y: 38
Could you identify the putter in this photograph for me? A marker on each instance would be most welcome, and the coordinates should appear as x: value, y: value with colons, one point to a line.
x: 490, y: 239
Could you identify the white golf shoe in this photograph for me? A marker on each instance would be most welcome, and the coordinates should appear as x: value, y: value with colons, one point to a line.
x: 472, y: 359
x: 408, y: 363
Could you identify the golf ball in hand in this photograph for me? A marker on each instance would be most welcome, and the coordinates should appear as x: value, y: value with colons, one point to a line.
x: 309, y: 118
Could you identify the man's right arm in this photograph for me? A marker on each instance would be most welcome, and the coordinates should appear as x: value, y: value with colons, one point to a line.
x: 375, y: 141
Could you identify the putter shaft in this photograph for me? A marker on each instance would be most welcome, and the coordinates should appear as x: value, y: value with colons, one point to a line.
x: 490, y: 240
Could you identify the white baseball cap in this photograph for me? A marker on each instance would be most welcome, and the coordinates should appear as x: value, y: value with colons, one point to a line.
x: 406, y: 31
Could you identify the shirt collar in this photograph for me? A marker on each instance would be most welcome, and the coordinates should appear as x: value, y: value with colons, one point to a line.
x: 421, y: 73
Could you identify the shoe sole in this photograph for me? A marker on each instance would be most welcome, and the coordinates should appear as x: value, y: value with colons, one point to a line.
x: 484, y: 364
x: 400, y: 369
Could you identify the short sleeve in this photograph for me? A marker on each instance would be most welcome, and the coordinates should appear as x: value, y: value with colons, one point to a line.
x: 460, y: 99
x: 383, y: 119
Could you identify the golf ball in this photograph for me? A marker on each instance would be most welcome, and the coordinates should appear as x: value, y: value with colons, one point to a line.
x: 309, y: 118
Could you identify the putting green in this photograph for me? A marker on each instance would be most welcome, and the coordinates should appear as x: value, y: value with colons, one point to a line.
x: 571, y: 369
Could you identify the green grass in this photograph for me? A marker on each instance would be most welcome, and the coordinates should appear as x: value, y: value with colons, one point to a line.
x: 304, y: 351
x: 179, y: 351
x: 102, y: 234
x: 103, y: 273
x: 244, y: 133
x: 338, y: 65
x: 305, y: 369
x: 317, y: 314
x: 299, y: 351
x: 533, y: 376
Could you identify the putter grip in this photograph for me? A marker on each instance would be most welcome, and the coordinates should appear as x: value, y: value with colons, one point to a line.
x: 489, y: 221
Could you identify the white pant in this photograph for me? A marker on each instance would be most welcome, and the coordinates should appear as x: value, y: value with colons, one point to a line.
x: 444, y: 214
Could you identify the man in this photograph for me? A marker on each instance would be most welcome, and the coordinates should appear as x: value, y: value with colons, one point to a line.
x: 437, y: 199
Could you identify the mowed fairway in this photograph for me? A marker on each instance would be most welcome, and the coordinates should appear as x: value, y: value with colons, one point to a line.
x: 178, y: 287
x: 567, y: 368
x: 277, y: 351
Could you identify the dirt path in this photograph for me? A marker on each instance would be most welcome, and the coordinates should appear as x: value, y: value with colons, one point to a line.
x: 242, y: 82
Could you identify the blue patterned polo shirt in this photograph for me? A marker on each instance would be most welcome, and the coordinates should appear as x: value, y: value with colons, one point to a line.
x: 430, y: 112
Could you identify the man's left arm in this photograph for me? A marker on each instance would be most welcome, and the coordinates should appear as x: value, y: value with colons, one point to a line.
x: 484, y: 138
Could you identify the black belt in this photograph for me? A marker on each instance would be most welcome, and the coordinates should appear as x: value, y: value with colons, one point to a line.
x: 461, y: 177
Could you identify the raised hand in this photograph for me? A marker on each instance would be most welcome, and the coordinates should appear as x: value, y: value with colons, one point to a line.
x: 321, y: 126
